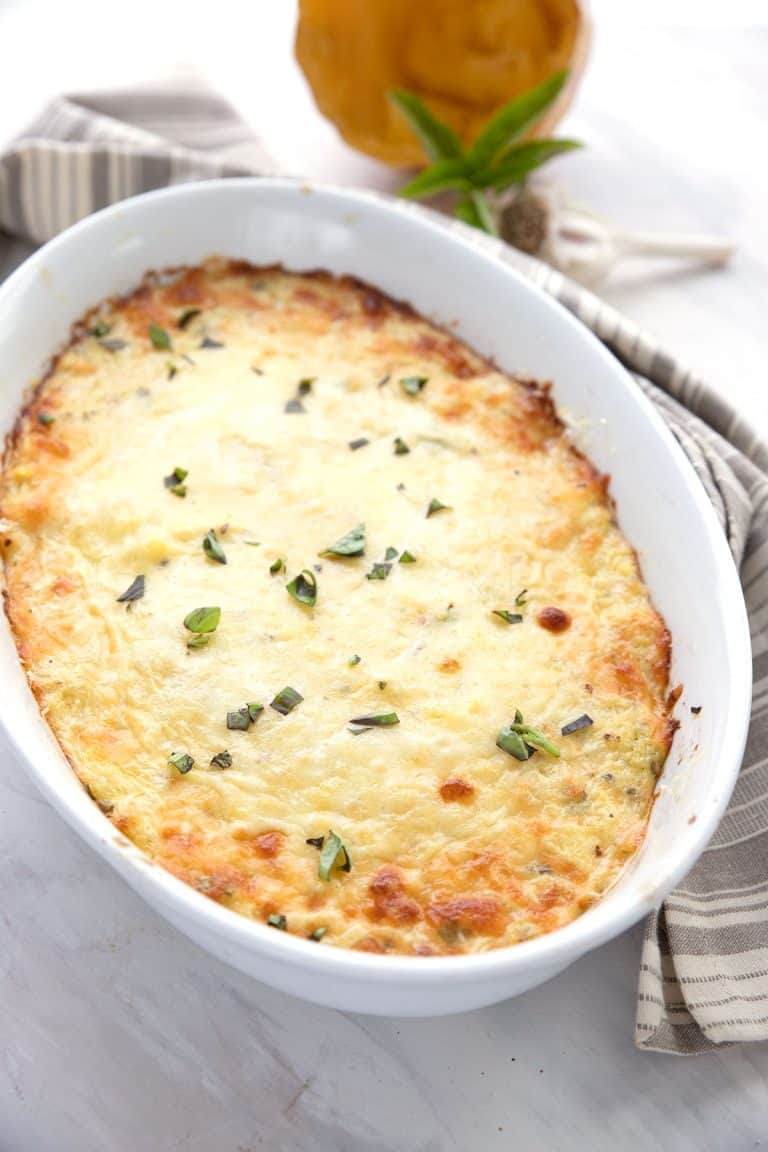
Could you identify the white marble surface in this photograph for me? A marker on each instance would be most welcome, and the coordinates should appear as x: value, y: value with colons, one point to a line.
x: 117, y: 1033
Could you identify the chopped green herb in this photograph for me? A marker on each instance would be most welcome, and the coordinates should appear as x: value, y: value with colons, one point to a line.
x: 358, y: 731
x: 518, y: 739
x: 361, y: 442
x: 135, y: 591
x: 509, y: 617
x: 520, y: 599
x: 413, y: 385
x: 172, y: 370
x: 292, y: 406
x: 100, y: 328
x: 333, y: 855
x: 254, y: 711
x: 221, y: 760
x: 352, y: 544
x: 252, y: 543
x: 577, y: 724
x: 198, y: 641
x: 277, y: 920
x: 187, y: 316
x: 203, y: 620
x: 113, y: 345
x: 353, y: 660
x: 317, y: 934
x: 181, y: 761
x: 401, y: 448
x: 379, y: 571
x: 286, y: 701
x: 305, y: 386
x: 213, y: 548
x: 45, y: 419
x: 303, y: 588
x: 407, y: 557
x: 377, y: 720
x: 315, y: 841
x: 238, y: 721
x: 179, y: 490
x: 390, y: 553
x: 382, y: 685
x: 159, y: 337
x: 437, y: 506
x: 510, y: 741
x: 276, y: 566
x: 175, y: 478
x: 209, y: 342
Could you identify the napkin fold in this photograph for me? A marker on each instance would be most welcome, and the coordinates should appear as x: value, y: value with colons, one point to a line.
x: 704, y: 967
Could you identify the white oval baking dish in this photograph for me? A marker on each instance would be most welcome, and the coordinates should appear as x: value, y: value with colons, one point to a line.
x: 661, y: 505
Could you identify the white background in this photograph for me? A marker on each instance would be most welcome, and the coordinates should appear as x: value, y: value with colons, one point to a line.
x: 117, y: 1034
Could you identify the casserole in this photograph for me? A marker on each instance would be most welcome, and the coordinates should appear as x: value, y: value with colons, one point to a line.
x: 409, y: 256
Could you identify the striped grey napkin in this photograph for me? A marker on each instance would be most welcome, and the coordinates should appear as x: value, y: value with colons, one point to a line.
x: 704, y: 970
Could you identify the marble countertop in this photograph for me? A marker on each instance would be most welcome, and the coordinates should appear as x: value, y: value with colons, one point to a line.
x: 119, y: 1034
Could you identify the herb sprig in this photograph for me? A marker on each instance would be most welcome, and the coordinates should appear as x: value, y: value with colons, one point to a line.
x: 521, y: 740
x: 498, y: 158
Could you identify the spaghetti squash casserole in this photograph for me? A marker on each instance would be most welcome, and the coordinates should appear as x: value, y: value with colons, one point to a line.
x: 330, y: 616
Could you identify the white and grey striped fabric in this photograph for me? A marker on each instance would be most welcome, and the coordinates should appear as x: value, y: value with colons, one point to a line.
x: 704, y: 968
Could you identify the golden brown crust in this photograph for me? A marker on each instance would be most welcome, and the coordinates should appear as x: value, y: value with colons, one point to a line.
x: 455, y: 846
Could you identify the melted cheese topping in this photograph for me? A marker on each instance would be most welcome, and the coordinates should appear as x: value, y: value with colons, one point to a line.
x: 455, y: 845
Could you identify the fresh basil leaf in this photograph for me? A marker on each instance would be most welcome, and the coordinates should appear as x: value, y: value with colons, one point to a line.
x: 377, y: 720
x: 439, y: 177
x: 203, y: 620
x: 135, y: 591
x: 533, y: 736
x: 303, y: 588
x: 181, y: 761
x: 508, y: 617
x: 333, y: 855
x: 286, y: 701
x: 187, y: 316
x: 437, y: 139
x: 513, y: 120
x: 221, y: 760
x: 413, y: 385
x: 484, y: 213
x: 522, y: 160
x: 213, y: 548
x: 159, y: 337
x: 351, y: 544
